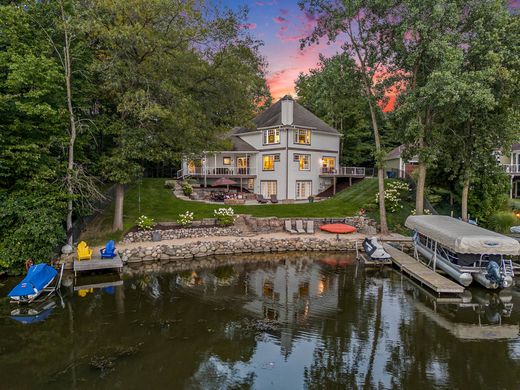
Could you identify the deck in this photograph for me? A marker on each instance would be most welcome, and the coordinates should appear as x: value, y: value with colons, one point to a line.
x: 97, y: 264
x: 423, y: 274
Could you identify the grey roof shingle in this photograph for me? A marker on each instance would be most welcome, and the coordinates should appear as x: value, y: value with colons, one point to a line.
x: 516, y: 147
x: 301, y: 117
x: 239, y: 145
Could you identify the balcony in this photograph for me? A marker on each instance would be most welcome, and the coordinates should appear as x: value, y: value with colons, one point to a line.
x: 347, y: 172
x: 512, y: 169
x: 215, y: 172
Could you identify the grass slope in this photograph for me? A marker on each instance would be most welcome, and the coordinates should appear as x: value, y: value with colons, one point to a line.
x: 158, y: 203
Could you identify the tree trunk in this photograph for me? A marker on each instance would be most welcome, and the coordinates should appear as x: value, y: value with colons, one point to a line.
x: 419, y: 191
x: 380, y: 171
x: 464, y: 200
x: 118, y: 212
x: 70, y: 163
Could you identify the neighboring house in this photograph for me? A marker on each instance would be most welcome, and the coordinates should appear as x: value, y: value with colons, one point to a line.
x: 511, y: 164
x: 290, y: 153
x: 396, y: 165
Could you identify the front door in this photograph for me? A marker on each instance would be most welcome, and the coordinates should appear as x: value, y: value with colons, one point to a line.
x: 328, y: 164
x: 243, y: 165
x: 303, y: 189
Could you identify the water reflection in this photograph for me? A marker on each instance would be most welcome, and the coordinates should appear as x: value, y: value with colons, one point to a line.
x: 264, y: 321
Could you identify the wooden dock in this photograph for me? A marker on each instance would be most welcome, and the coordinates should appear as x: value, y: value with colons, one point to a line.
x: 97, y: 264
x: 423, y: 274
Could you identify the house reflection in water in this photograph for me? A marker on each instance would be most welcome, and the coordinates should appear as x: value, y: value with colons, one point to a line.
x: 293, y: 292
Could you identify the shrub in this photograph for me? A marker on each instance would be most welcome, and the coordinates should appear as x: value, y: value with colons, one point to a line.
x: 185, y: 219
x: 187, y: 189
x: 394, y: 194
x: 225, y: 217
x: 145, y: 223
x: 502, y: 221
x: 169, y: 184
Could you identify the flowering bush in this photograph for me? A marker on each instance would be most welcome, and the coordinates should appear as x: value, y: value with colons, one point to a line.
x: 361, y: 212
x: 187, y: 189
x: 394, y: 194
x: 425, y: 212
x: 185, y: 219
x: 145, y: 223
x: 225, y: 217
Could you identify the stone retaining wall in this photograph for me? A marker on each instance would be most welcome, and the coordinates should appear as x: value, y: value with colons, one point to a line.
x: 238, y: 246
x: 182, y: 233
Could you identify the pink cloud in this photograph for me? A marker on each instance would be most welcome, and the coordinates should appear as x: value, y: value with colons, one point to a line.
x: 284, y: 11
x: 249, y: 26
x: 265, y: 3
x: 280, y: 20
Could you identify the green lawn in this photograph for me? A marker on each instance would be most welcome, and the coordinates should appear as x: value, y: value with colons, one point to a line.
x: 158, y: 203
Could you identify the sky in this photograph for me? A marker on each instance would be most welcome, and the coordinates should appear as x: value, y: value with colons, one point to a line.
x: 280, y: 24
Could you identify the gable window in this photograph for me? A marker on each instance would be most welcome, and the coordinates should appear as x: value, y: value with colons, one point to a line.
x: 271, y: 136
x: 304, y: 161
x: 227, y: 160
x: 268, y: 162
x: 302, y: 136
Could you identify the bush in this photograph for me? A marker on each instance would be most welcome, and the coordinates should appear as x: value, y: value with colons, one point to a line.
x: 502, y: 221
x: 185, y: 219
x: 145, y: 223
x: 170, y: 184
x: 187, y: 189
x: 393, y: 195
x: 225, y: 217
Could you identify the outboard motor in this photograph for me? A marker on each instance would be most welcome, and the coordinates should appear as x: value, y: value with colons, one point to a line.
x: 493, y: 273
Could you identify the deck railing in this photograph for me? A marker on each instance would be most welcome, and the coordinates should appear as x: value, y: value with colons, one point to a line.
x: 512, y: 168
x: 347, y: 171
x: 218, y: 171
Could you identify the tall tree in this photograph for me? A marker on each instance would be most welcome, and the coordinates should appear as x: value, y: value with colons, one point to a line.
x: 360, y: 21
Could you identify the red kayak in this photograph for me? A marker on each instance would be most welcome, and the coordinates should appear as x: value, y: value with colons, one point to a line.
x: 338, y: 228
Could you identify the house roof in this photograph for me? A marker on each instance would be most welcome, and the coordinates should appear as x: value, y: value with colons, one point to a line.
x: 240, y: 145
x: 301, y: 117
x: 395, y: 153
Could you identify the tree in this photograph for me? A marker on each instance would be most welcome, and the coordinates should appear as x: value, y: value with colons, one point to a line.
x: 361, y: 22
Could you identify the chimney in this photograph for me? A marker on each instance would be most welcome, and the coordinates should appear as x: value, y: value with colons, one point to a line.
x: 287, y: 110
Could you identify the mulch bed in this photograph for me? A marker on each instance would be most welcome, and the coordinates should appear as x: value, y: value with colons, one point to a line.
x: 135, y: 229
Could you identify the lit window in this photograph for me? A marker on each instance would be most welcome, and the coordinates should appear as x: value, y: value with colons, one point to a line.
x: 251, y: 184
x: 328, y: 164
x: 302, y: 136
x: 268, y: 164
x: 271, y: 136
x: 304, y: 162
x: 227, y: 160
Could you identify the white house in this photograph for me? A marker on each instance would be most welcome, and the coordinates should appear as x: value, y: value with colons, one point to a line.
x: 396, y: 165
x: 511, y: 164
x: 289, y: 152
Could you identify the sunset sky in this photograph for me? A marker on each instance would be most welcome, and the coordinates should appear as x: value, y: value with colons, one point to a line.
x: 280, y: 24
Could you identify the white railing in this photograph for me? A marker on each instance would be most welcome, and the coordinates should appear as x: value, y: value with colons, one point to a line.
x: 180, y: 174
x: 346, y: 171
x: 219, y: 171
x: 511, y: 168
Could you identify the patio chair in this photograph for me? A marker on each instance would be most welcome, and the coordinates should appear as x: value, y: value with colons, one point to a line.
x: 260, y: 199
x: 310, y: 227
x: 274, y: 199
x: 299, y: 227
x: 109, y: 251
x: 83, y: 251
x: 288, y: 227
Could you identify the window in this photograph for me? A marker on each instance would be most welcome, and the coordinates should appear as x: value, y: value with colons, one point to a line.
x: 304, y: 161
x: 268, y: 188
x: 250, y: 184
x: 269, y: 160
x: 328, y: 164
x: 303, y: 189
x: 271, y: 136
x: 302, y: 136
x: 227, y: 160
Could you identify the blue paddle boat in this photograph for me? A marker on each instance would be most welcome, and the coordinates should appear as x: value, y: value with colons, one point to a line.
x: 39, y: 279
x: 31, y: 315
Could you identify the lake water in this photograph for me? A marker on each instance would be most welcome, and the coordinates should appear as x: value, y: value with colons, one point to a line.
x: 265, y: 322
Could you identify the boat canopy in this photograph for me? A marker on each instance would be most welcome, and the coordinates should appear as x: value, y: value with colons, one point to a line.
x: 462, y: 237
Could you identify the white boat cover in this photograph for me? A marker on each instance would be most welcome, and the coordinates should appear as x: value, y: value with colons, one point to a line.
x: 462, y: 237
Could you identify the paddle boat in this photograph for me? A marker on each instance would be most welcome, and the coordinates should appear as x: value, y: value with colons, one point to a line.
x: 464, y: 251
x: 40, y: 278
